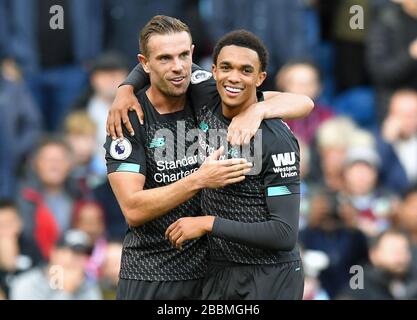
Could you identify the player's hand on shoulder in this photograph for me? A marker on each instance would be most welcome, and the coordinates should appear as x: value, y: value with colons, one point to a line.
x: 124, y: 102
x: 245, y: 125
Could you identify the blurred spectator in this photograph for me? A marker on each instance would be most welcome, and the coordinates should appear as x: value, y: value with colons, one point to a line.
x: 80, y: 133
x: 109, y: 271
x: 328, y: 232
x: 349, y: 43
x: 106, y: 74
x: 388, y: 276
x: 407, y: 213
x: 314, y: 262
x: 392, y: 50
x: 115, y: 222
x: 305, y: 187
x: 10, y: 71
x: 116, y: 225
x: 192, y: 13
x: 17, y: 253
x: 20, y: 127
x: 89, y: 218
x: 333, y: 140
x: 359, y: 104
x: 303, y: 77
x: 3, y: 29
x: 407, y: 220
x: 63, y: 278
x: 45, y: 200
x: 399, y: 133
x: 125, y: 18
x: 53, y: 59
x: 373, y: 203
x: 282, y: 25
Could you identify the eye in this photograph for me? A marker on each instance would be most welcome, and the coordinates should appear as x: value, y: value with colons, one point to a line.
x: 247, y: 70
x: 185, y: 55
x: 224, y: 68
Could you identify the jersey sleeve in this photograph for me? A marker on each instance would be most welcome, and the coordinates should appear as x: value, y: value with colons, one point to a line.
x: 127, y: 154
x: 280, y: 231
x: 202, y: 88
x: 280, y: 159
x: 137, y: 78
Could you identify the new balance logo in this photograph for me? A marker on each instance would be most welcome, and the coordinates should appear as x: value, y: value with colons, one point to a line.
x: 284, y: 159
x: 157, y: 142
x: 204, y: 126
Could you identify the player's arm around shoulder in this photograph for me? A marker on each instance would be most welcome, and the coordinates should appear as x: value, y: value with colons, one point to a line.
x: 286, y: 105
x: 272, y: 105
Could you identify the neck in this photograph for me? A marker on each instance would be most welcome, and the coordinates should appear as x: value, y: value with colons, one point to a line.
x: 53, y: 189
x: 164, y: 103
x: 231, y: 112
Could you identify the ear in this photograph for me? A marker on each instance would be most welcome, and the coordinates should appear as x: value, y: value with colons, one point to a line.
x: 192, y: 49
x: 213, y: 70
x: 261, y: 78
x: 144, y: 62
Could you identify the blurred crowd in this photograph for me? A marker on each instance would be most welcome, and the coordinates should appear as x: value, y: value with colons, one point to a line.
x: 61, y: 229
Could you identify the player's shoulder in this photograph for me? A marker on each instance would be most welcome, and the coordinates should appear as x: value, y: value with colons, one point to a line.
x: 148, y: 110
x: 199, y: 75
x: 273, y: 127
x: 143, y: 100
x: 276, y: 127
x: 202, y: 88
x: 276, y: 135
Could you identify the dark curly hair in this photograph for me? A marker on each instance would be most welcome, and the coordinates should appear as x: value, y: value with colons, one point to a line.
x: 246, y: 39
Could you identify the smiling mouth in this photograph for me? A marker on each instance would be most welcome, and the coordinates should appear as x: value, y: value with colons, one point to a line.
x: 177, y: 80
x: 232, y: 91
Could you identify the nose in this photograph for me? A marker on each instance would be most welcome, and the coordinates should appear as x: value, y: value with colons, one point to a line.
x: 177, y: 65
x: 233, y: 76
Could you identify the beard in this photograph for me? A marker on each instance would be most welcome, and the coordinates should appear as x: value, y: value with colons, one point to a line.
x: 170, y: 90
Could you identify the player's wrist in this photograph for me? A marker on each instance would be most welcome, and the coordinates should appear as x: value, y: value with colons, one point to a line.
x: 208, y: 223
x: 259, y: 110
x: 196, y: 181
x: 126, y: 88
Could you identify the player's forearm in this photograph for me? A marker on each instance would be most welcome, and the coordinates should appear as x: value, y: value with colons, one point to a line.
x: 274, y: 235
x: 137, y: 78
x: 147, y: 205
x: 285, y: 105
x: 279, y: 233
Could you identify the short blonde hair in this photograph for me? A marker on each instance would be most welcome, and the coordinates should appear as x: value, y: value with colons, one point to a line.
x: 336, y: 132
x: 160, y: 25
x: 79, y: 122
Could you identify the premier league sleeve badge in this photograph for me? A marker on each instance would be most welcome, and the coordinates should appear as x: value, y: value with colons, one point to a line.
x: 120, y: 149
